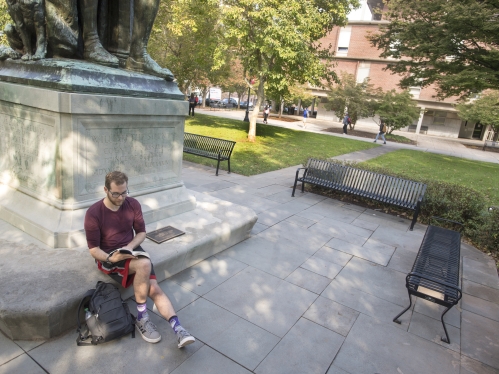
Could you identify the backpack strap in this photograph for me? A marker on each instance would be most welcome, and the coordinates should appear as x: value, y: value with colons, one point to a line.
x: 83, y: 301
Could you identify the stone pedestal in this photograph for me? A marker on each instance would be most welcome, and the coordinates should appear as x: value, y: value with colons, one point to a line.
x: 56, y: 147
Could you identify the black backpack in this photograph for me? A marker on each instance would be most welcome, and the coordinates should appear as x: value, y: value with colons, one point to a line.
x: 110, y: 319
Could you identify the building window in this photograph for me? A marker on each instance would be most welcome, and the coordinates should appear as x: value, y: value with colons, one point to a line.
x: 439, y: 118
x: 363, y: 71
x: 344, y: 41
x: 415, y: 91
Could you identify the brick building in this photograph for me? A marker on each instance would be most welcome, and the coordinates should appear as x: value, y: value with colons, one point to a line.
x: 355, y: 55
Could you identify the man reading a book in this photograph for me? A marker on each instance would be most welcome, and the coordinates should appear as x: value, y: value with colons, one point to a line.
x: 110, y: 224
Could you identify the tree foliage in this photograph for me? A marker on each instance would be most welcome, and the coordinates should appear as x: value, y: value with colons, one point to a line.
x: 358, y: 99
x: 450, y: 43
x: 485, y: 110
x: 184, y: 38
x: 397, y: 109
x: 277, y: 42
x: 4, y: 19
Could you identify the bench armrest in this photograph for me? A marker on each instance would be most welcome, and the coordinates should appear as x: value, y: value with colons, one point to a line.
x: 446, y: 220
x: 298, y: 171
x: 414, y: 274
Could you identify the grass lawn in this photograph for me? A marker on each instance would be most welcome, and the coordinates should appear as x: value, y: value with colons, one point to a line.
x: 275, y: 147
x: 397, y: 138
x: 482, y: 176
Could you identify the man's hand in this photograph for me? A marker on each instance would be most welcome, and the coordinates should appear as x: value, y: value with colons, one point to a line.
x: 116, y: 257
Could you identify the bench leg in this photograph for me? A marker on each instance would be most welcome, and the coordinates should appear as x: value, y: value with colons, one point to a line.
x: 294, y: 187
x: 446, y: 339
x: 396, y: 319
x: 218, y: 165
x: 415, y: 217
x: 302, y: 187
x: 228, y: 161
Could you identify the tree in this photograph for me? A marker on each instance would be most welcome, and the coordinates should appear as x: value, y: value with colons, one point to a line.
x: 358, y: 99
x: 4, y: 19
x: 184, y: 38
x: 397, y: 109
x: 235, y: 81
x: 484, y: 110
x: 277, y: 42
x: 453, y: 44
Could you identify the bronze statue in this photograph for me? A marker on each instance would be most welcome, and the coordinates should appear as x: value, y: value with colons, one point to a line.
x: 27, y: 35
x: 74, y: 29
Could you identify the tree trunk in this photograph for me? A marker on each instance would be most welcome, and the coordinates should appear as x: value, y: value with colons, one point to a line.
x: 281, y: 107
x: 256, y: 110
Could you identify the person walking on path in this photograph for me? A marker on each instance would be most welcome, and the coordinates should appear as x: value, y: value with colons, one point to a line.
x: 305, y: 115
x: 196, y: 100
x: 346, y: 122
x: 266, y: 112
x: 382, y: 130
x: 192, y: 104
x: 110, y: 224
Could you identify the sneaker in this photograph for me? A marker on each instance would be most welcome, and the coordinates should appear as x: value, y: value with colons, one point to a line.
x: 148, y: 330
x: 375, y: 141
x: 184, y: 338
x: 384, y: 143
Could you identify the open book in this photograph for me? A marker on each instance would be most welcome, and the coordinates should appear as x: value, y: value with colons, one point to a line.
x: 133, y: 253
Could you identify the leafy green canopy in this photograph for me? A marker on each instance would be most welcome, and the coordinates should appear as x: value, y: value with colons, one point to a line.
x: 184, y: 38
x: 450, y: 43
x: 358, y: 99
x: 397, y: 109
x: 484, y: 110
x: 277, y: 42
x: 4, y: 19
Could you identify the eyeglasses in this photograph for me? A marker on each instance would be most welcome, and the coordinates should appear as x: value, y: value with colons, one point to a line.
x: 117, y: 194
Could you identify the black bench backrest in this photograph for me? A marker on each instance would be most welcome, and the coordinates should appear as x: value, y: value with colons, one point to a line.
x: 384, y: 188
x: 209, y: 144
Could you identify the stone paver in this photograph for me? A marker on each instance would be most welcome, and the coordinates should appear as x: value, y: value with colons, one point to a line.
x: 479, y: 339
x: 8, y: 349
x: 313, y: 290
x: 372, y: 347
x: 303, y: 350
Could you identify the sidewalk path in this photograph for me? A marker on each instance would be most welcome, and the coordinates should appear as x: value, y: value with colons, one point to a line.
x: 425, y: 143
x: 313, y: 290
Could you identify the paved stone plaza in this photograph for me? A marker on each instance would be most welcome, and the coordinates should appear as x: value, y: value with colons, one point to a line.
x: 313, y: 290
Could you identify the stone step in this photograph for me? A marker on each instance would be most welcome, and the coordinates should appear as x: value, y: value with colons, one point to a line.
x: 41, y: 287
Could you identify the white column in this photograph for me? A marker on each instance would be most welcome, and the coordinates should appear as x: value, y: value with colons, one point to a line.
x: 420, y: 120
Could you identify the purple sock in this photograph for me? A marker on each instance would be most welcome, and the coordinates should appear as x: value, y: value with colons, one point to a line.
x: 142, y: 311
x: 174, y: 323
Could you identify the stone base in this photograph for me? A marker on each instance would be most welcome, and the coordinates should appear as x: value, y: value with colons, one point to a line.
x: 86, y: 77
x: 64, y: 228
x: 41, y: 287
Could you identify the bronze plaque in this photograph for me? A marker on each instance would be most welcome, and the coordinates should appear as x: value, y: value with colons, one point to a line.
x: 164, y: 234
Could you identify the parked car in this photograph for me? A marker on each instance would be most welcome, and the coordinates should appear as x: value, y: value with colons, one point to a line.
x: 212, y: 101
x: 244, y: 105
x: 230, y: 101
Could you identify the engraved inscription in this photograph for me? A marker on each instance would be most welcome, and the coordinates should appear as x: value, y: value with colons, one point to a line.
x: 27, y: 153
x: 136, y: 151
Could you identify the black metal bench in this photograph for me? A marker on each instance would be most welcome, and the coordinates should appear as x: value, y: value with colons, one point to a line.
x: 205, y: 146
x: 396, y: 191
x: 435, y: 273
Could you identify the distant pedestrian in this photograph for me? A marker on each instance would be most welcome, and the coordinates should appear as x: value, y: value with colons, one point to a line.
x: 346, y: 122
x: 382, y: 131
x: 305, y: 115
x: 266, y: 112
x: 192, y: 104
x: 196, y: 100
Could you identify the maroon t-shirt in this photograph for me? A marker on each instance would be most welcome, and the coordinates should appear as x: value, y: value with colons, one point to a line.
x: 110, y: 230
